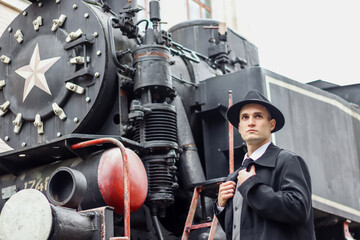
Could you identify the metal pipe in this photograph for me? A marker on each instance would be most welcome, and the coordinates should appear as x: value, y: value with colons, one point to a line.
x: 126, y: 174
x: 190, y: 165
x: 231, y: 139
x: 69, y: 224
x: 157, y: 227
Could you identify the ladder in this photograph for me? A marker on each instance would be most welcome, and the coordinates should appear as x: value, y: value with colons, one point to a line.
x: 208, y: 188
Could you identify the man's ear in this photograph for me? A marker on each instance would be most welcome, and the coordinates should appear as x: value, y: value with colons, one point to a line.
x: 272, y: 124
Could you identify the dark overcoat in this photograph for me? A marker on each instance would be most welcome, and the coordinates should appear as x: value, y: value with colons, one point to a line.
x: 276, y: 201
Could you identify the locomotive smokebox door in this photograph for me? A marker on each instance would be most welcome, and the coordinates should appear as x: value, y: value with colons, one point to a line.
x: 53, y: 67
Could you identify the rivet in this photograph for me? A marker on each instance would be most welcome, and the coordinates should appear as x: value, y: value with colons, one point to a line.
x: 76, y: 120
x: 23, y: 144
x: 9, y: 29
x: 87, y: 99
x: 22, y: 155
x: 57, y: 1
x: 86, y: 15
x: 96, y: 34
x: 58, y: 134
x: 74, y: 6
x: 24, y: 13
x: 97, y: 74
x: 7, y: 138
x: 98, y: 53
x: 40, y: 4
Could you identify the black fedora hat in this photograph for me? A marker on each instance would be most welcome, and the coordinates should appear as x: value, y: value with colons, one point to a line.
x: 255, y: 97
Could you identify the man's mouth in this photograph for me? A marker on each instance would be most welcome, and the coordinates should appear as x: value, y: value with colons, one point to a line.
x: 251, y: 130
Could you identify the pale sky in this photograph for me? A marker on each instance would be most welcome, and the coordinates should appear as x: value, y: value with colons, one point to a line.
x: 306, y: 40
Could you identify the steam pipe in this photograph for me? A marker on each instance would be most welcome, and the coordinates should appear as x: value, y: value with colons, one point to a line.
x: 190, y: 165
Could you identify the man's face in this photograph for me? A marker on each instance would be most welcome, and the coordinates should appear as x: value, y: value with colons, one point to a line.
x: 255, y: 125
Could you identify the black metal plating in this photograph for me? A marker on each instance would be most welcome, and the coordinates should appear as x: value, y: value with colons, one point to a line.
x: 152, y: 63
x: 158, y: 129
x: 162, y: 179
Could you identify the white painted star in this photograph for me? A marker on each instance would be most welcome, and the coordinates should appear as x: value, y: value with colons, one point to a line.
x: 34, y: 73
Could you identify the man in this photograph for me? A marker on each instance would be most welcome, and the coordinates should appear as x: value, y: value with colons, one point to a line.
x: 270, y: 197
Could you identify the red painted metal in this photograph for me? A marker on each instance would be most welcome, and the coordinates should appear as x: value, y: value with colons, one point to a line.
x: 125, y: 174
x: 191, y: 213
x: 190, y: 217
x: 213, y: 228
x: 231, y: 139
x: 111, y: 184
x: 347, y: 233
x: 201, y: 225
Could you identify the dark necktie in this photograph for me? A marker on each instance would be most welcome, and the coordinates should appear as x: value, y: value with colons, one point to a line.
x: 247, y: 164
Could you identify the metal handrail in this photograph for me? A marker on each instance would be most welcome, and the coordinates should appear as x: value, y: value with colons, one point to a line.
x: 125, y: 174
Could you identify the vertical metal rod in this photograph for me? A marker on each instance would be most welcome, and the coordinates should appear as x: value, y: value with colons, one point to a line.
x: 125, y: 172
x: 157, y: 227
x: 231, y: 139
x: 85, y: 56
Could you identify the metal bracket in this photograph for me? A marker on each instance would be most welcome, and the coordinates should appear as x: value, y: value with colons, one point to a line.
x: 83, y: 39
x: 4, y: 108
x: 59, y: 111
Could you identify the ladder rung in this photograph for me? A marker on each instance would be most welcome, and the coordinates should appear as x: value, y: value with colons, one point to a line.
x: 201, y: 225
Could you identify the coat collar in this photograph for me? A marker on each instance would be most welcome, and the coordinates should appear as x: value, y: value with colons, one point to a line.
x: 268, y: 159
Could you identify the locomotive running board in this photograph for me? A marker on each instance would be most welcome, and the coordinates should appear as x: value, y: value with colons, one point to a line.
x: 18, y: 160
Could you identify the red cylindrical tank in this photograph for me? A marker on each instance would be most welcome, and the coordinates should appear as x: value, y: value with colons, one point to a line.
x: 111, y: 180
x: 103, y: 181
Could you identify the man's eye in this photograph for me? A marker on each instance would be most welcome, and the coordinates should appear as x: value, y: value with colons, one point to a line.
x: 244, y: 117
x: 258, y: 116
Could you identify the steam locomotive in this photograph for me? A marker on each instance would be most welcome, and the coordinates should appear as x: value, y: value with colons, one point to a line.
x: 99, y: 120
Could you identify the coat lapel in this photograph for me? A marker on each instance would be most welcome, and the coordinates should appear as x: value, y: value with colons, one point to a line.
x: 270, y: 156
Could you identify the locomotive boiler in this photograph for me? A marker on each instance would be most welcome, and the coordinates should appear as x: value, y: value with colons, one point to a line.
x: 105, y: 129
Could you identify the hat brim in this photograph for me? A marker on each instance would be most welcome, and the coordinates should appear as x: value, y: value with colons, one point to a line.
x: 234, y: 112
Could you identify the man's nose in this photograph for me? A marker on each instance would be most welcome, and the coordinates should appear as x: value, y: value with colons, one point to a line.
x: 251, y: 121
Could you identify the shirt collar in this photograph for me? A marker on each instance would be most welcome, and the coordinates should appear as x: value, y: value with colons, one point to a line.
x: 258, y: 153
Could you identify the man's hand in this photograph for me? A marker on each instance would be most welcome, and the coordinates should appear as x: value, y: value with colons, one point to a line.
x: 226, y: 191
x: 244, y: 175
